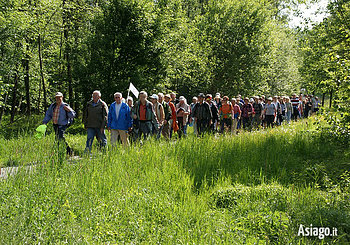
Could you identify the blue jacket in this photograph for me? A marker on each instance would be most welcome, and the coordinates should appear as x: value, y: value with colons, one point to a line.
x: 124, y: 121
x: 63, y: 115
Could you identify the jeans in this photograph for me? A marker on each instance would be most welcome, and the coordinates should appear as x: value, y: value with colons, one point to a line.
x: 91, y: 133
x: 288, y: 116
x: 59, y: 132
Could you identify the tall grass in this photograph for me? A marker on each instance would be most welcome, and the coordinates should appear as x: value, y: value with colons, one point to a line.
x: 251, y: 188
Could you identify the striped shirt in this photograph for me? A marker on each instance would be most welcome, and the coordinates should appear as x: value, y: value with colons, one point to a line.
x: 295, y: 102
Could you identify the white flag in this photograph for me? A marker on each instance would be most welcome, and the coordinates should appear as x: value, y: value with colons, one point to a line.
x: 133, y: 90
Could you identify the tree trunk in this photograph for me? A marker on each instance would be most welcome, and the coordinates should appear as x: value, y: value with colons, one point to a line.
x: 323, y: 96
x: 42, y: 74
x: 25, y: 63
x: 14, y: 98
x: 66, y: 16
x: 330, y: 98
x: 2, y: 108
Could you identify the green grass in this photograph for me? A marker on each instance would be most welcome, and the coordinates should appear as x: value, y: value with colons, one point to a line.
x: 252, y: 188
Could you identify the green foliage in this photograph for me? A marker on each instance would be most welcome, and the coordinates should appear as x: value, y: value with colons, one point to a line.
x: 250, y: 188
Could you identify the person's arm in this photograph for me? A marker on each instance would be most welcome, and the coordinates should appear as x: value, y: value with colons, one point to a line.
x: 109, y: 118
x: 128, y: 118
x: 70, y: 112
x: 162, y: 116
x: 48, y: 115
x: 85, y: 115
x: 153, y: 114
x: 104, y: 115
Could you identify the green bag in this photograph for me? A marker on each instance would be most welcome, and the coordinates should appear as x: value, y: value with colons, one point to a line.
x: 40, y: 131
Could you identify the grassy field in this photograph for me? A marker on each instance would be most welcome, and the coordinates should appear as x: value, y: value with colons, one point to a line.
x: 254, y: 188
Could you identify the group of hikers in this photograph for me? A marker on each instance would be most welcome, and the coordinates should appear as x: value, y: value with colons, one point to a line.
x: 163, y: 115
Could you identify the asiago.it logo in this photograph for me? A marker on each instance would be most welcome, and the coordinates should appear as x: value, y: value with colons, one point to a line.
x: 320, y: 232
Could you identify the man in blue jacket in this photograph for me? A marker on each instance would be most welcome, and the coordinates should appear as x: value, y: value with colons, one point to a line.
x: 61, y: 115
x: 119, y: 120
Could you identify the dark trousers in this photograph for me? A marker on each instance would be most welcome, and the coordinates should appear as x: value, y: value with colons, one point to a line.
x: 227, y: 122
x: 246, y: 122
x: 60, y: 130
x: 145, y: 129
x: 295, y: 113
x: 203, y: 126
x: 269, y: 120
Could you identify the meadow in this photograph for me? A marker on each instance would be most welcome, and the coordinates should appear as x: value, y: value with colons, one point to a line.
x: 253, y: 188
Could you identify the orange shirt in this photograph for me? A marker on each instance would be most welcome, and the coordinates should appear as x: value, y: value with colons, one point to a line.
x: 142, y: 112
x: 225, y: 110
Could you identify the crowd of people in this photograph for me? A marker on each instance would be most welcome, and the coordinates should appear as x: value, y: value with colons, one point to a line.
x: 163, y: 115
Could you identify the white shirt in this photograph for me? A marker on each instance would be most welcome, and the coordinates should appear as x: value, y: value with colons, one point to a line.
x: 117, y: 109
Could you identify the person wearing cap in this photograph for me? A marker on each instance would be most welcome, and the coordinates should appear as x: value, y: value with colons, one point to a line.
x: 182, y: 112
x: 172, y: 123
x: 247, y: 113
x: 236, y: 111
x: 119, y: 120
x: 95, y: 120
x: 144, y: 113
x: 202, y: 115
x: 214, y: 113
x: 159, y: 111
x: 217, y: 100
x: 270, y: 112
x: 258, y: 109
x: 61, y: 115
x: 225, y: 113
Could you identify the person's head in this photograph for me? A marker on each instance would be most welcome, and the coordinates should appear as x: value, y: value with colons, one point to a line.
x: 173, y: 96
x: 239, y: 96
x: 130, y: 101
x: 59, y: 98
x: 269, y: 100
x: 208, y: 98
x: 160, y: 97
x: 246, y: 100
x: 143, y: 97
x: 294, y: 95
x: 275, y: 98
x: 194, y: 100
x: 233, y: 101
x: 225, y: 100
x: 154, y: 98
x: 287, y: 99
x: 167, y: 98
x: 316, y: 98
x: 201, y: 97
x: 118, y: 97
x: 217, y: 97
x: 96, y: 95
x: 182, y: 100
x: 256, y: 99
